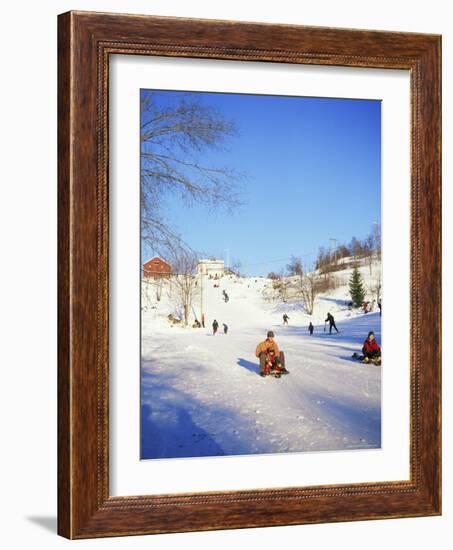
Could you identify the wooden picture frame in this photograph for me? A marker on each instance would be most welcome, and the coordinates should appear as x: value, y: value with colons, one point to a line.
x: 85, y: 41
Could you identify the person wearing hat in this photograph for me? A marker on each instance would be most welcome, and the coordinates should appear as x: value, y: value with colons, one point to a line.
x: 268, y: 350
x: 371, y: 349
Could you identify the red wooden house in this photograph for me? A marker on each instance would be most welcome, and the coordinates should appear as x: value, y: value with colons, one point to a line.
x: 156, y: 267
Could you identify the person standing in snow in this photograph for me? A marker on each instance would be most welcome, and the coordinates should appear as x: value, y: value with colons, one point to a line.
x: 215, y: 326
x: 371, y: 350
x: 268, y: 351
x: 225, y: 328
x: 332, y: 324
x: 285, y: 319
x: 311, y: 328
x: 225, y: 296
x: 380, y: 308
x: 202, y: 320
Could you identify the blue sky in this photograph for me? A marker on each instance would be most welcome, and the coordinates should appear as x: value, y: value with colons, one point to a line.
x: 313, y: 168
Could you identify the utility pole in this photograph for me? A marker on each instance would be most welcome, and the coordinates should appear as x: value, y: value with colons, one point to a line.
x: 201, y: 294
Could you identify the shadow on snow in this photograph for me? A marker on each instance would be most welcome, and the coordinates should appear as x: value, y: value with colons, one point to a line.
x: 252, y: 367
x: 169, y: 426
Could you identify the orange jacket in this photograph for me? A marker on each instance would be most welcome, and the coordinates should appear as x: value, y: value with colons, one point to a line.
x: 266, y: 346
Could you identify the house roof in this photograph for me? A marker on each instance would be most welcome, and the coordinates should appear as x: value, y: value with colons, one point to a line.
x: 157, y: 258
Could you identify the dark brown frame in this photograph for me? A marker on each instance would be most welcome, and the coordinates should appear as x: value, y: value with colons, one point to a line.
x: 85, y: 41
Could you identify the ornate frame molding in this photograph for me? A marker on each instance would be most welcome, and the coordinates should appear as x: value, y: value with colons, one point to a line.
x: 86, y: 40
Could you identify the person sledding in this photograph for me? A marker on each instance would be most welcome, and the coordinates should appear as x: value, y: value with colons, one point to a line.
x: 272, y: 360
x: 331, y: 320
x: 371, y: 350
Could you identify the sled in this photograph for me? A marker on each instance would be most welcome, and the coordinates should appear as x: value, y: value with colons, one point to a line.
x: 375, y: 361
x: 276, y: 372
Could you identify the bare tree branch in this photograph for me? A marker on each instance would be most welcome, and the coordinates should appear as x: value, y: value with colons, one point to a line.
x: 175, y: 138
x: 183, y: 279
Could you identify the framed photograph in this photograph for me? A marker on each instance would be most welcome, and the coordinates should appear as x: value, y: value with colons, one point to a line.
x: 249, y: 275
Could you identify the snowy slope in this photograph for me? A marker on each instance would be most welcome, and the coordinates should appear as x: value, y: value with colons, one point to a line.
x: 202, y: 396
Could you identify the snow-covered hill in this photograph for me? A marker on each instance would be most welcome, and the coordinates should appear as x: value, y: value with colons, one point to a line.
x: 202, y: 396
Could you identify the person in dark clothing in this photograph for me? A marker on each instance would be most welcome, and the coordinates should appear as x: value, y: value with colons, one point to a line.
x: 202, y: 320
x: 371, y: 349
x: 225, y: 328
x: 215, y: 327
x: 380, y: 308
x: 332, y: 324
x: 311, y: 328
x: 285, y: 319
x: 225, y: 296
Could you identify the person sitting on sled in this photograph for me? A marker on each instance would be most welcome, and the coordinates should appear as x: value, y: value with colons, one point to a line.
x: 267, y: 351
x: 371, y: 350
x: 270, y: 362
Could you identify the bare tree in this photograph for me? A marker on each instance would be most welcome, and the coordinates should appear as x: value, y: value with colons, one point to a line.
x: 368, y: 251
x: 158, y: 285
x: 376, y: 286
x: 295, y: 266
x: 356, y: 248
x: 281, y: 286
x: 183, y: 281
x: 177, y: 132
x: 377, y: 239
x: 236, y: 266
x: 146, y: 299
x: 308, y: 290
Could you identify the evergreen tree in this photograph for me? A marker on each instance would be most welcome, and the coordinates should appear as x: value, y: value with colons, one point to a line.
x: 356, y: 287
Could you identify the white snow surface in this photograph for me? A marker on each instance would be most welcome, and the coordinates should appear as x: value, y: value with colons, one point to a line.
x: 201, y: 394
